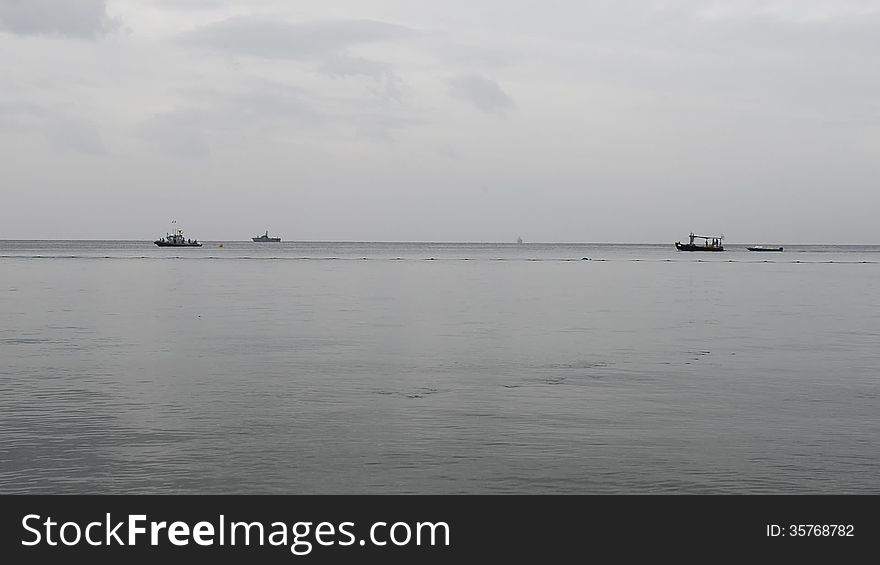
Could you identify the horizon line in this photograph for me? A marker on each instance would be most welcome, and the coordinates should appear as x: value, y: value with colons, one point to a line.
x: 436, y: 242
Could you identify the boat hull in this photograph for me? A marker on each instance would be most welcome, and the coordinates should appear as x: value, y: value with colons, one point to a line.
x: 777, y: 249
x: 689, y: 247
x: 166, y: 244
x: 266, y: 239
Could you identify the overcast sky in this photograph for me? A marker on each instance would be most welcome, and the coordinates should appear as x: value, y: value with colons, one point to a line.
x: 452, y: 120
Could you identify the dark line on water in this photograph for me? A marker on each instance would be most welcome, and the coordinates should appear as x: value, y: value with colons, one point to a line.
x: 520, y: 259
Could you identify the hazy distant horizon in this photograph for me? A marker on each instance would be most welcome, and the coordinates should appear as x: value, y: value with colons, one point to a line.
x: 449, y: 242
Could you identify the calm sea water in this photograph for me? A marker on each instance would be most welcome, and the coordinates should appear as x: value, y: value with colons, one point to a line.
x: 437, y: 368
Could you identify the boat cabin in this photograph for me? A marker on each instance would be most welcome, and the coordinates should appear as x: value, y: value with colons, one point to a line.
x: 708, y: 241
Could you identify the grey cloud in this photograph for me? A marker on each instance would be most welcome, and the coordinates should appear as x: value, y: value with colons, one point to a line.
x: 264, y: 108
x: 482, y: 92
x: 260, y: 103
x: 470, y: 55
x: 77, y: 136
x: 276, y: 39
x: 14, y: 106
x: 20, y: 114
x: 325, y: 44
x: 273, y: 105
x: 168, y: 135
x: 344, y: 64
x: 62, y: 131
x: 73, y: 18
x: 193, y: 4
x: 748, y: 57
x: 382, y: 127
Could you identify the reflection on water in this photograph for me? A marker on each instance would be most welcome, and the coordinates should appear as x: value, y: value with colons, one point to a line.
x: 492, y: 368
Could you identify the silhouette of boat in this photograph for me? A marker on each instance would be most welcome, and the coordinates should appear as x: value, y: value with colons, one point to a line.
x: 762, y: 248
x: 265, y: 238
x: 176, y: 239
x: 711, y: 243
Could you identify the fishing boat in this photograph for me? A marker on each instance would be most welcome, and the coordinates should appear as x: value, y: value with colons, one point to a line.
x: 176, y: 239
x: 762, y: 248
x: 265, y: 238
x: 710, y: 243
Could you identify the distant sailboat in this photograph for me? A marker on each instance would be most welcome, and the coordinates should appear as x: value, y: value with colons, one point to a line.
x: 519, y: 240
